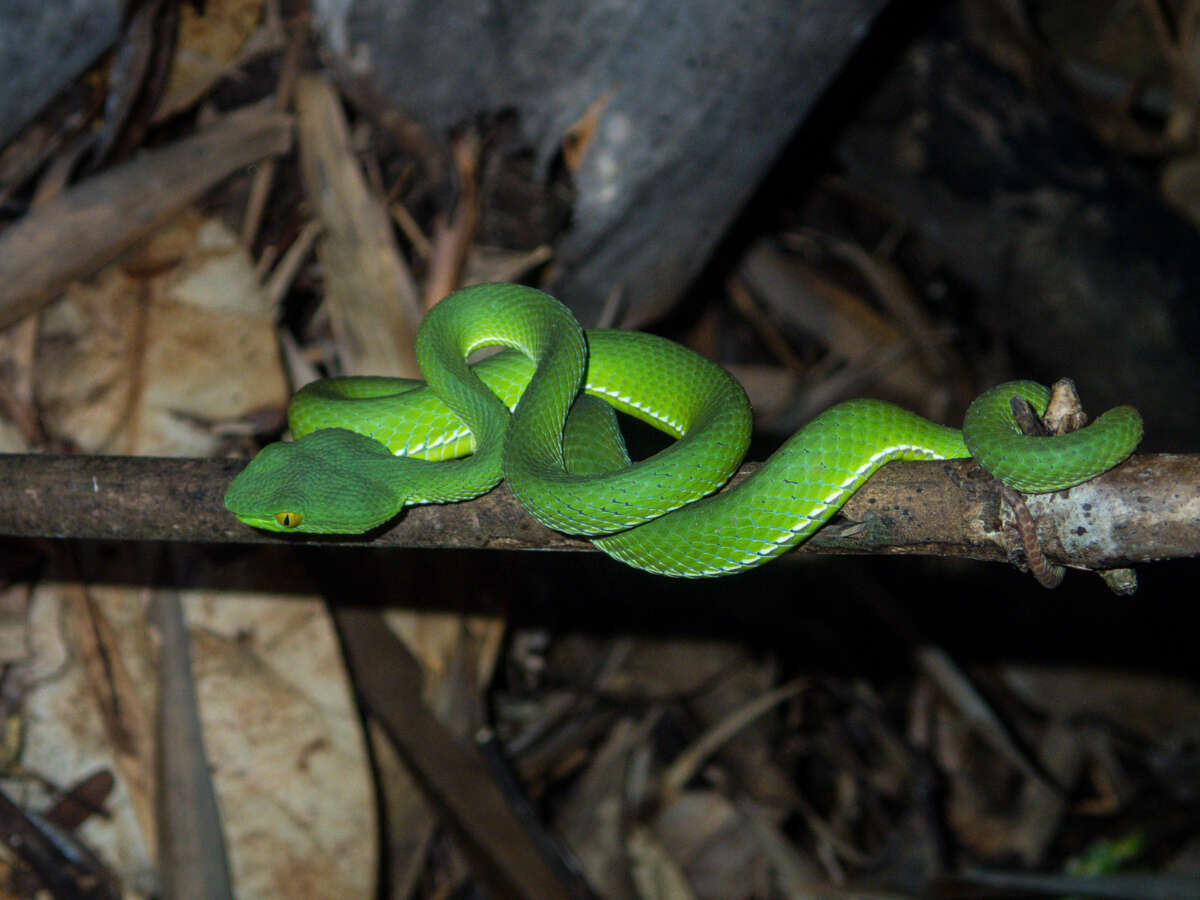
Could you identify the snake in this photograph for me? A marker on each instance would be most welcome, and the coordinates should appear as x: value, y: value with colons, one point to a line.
x: 539, y: 414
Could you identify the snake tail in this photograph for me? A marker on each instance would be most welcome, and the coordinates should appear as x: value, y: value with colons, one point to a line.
x: 539, y: 414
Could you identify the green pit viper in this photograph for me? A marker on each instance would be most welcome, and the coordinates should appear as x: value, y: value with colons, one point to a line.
x: 365, y: 447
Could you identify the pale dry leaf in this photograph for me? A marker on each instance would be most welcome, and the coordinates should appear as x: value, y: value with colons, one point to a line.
x: 14, y: 622
x: 11, y: 440
x: 656, y: 875
x: 157, y: 348
x: 209, y: 43
x: 1180, y: 186
x: 704, y: 833
x: 289, y: 764
x: 1151, y: 706
x: 435, y: 638
x: 65, y: 736
x: 592, y: 817
x: 145, y: 358
x: 663, y: 669
x: 283, y: 741
x: 16, y: 354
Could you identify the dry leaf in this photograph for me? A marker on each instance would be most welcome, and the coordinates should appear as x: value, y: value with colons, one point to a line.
x: 208, y: 43
x: 288, y: 758
x: 159, y: 347
x: 283, y: 740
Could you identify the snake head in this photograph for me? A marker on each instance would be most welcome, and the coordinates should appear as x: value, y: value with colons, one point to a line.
x: 331, y: 481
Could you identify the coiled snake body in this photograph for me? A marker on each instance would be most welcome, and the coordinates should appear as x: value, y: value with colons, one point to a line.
x: 366, y: 447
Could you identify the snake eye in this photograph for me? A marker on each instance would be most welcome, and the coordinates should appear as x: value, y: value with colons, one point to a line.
x: 288, y: 519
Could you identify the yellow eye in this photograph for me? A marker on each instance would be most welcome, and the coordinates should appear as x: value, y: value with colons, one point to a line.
x: 288, y: 519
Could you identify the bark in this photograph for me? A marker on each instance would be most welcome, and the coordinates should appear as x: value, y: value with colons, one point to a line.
x: 44, y: 46
x: 668, y: 114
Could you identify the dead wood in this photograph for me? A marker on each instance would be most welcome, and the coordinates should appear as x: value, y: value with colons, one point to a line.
x: 95, y: 221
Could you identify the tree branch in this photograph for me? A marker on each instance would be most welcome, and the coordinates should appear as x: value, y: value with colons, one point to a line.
x: 1144, y: 510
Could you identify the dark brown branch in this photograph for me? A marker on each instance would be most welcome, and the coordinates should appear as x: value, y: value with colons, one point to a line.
x: 452, y: 776
x: 1146, y: 509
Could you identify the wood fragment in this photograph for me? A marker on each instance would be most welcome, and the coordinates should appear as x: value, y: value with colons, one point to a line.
x: 452, y: 239
x: 264, y: 175
x: 453, y: 778
x: 282, y: 276
x: 191, y: 842
x: 798, y: 295
x: 63, y: 870
x: 93, y: 222
x: 371, y: 293
x: 137, y: 76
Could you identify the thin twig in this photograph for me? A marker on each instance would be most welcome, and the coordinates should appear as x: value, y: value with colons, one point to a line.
x: 264, y: 176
